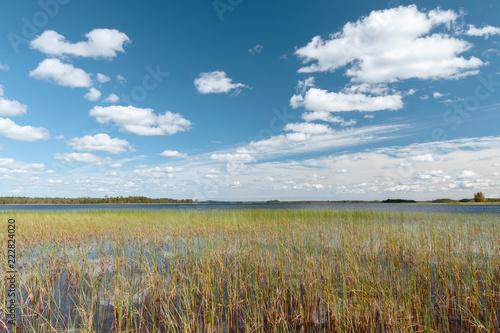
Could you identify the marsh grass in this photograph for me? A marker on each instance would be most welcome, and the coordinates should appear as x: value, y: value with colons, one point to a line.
x: 256, y: 271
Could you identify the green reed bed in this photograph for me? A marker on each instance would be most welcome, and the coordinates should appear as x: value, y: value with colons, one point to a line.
x: 256, y: 271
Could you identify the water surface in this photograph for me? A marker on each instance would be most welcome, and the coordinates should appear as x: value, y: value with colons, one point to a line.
x: 438, y: 208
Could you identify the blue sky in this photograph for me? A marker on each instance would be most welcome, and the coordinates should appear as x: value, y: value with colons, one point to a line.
x: 250, y: 100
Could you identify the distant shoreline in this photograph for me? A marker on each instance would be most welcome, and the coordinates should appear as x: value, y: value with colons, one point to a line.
x: 253, y: 202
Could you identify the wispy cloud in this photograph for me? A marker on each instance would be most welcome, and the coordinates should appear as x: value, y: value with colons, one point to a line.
x: 257, y: 49
x: 85, y: 158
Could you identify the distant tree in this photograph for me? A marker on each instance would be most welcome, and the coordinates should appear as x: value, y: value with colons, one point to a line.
x: 479, y: 197
x: 398, y: 201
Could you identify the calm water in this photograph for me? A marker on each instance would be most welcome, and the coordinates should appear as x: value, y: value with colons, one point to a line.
x: 344, y: 206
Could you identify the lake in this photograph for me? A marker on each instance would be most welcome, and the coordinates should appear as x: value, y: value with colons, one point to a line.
x: 439, y: 208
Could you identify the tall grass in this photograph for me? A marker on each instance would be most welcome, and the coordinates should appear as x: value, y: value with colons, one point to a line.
x: 256, y: 271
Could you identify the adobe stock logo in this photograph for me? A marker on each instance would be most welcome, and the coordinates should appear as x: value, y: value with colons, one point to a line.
x: 149, y: 82
x: 222, y: 6
x: 31, y: 26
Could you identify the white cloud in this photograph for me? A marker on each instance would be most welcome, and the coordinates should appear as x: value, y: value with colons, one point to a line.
x: 12, y: 131
x: 326, y: 116
x: 376, y: 89
x: 257, y: 49
x: 422, y: 158
x: 120, y: 79
x: 10, y: 108
x: 101, y: 142
x: 173, y: 153
x: 437, y: 94
x: 102, y: 78
x: 4, y: 67
x: 304, y: 85
x: 485, y: 31
x: 93, y: 95
x: 62, y: 74
x: 316, y: 138
x: 112, y: 98
x: 467, y: 174
x: 336, y: 175
x: 141, y: 121
x: 308, y: 128
x: 233, y: 158
x: 101, y: 43
x: 80, y: 158
x: 158, y: 172
x: 12, y: 166
x: 369, y: 116
x: 391, y: 45
x: 320, y: 100
x: 215, y: 82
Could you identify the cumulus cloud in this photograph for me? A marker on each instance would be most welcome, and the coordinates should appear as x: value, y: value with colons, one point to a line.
x: 141, y: 121
x: 437, y: 94
x: 102, y: 78
x: 215, y: 83
x: 62, y: 74
x: 112, y: 98
x: 391, y: 45
x: 320, y: 100
x: 101, y: 142
x: 9, y: 107
x: 85, y: 158
x: 257, y: 49
x: 11, y: 130
x: 93, y: 95
x: 173, y: 153
x: 4, y: 67
x: 485, y: 31
x: 100, y: 43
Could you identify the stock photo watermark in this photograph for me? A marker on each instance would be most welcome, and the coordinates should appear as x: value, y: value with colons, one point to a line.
x: 11, y: 274
x: 276, y: 123
x: 153, y: 78
x: 453, y: 118
x: 32, y: 24
x: 222, y: 7
x: 149, y: 82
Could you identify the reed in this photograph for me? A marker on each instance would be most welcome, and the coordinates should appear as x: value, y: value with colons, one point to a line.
x: 256, y: 271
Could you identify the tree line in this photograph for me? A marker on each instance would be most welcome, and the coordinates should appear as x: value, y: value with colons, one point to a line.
x: 88, y: 200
